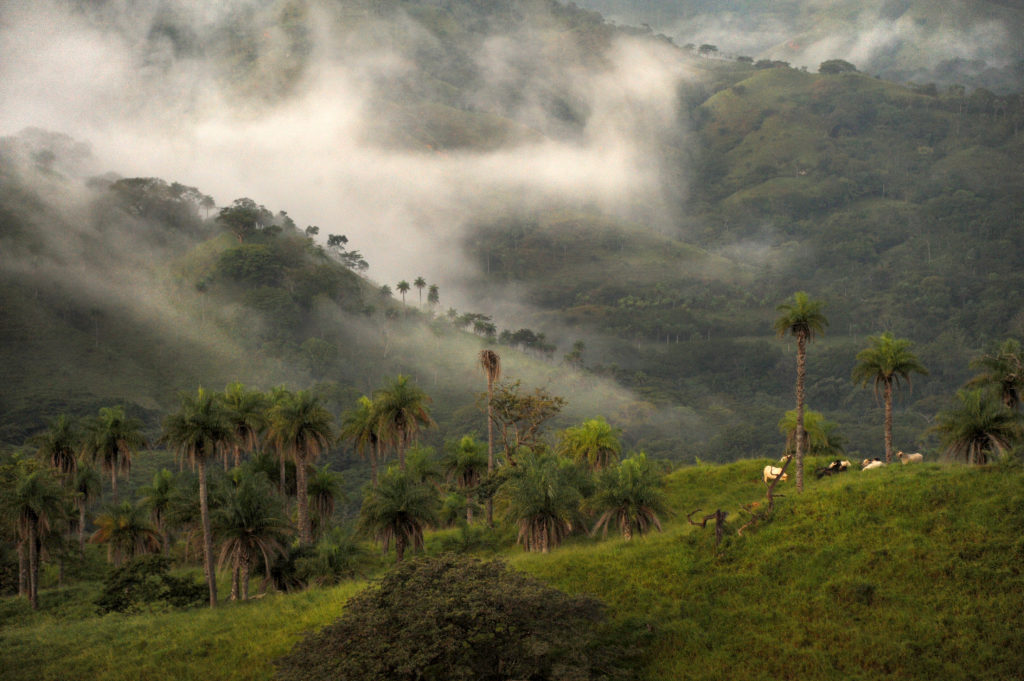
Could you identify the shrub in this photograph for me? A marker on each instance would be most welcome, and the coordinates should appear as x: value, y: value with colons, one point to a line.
x: 143, y: 584
x: 459, y: 619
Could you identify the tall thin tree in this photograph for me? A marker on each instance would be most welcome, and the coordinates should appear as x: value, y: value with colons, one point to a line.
x: 803, y: 319
x: 112, y: 438
x: 490, y: 362
x: 404, y: 409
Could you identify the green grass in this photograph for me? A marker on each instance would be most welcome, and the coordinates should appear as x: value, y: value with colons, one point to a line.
x: 902, y: 573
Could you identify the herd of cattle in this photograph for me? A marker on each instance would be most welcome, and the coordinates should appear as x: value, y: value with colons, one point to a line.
x: 775, y: 472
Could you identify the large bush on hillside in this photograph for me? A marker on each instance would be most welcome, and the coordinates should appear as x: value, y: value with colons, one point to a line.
x: 455, y: 619
x: 143, y: 584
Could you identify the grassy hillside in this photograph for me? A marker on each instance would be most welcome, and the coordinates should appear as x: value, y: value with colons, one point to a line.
x: 907, y: 572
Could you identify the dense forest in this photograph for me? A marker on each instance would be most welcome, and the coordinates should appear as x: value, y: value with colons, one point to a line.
x: 495, y: 276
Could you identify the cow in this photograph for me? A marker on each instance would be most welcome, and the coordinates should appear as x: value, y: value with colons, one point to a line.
x: 909, y: 458
x: 868, y: 464
x: 773, y: 473
x: 836, y: 466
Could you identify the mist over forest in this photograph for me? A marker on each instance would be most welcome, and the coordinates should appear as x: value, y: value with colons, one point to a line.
x: 549, y: 169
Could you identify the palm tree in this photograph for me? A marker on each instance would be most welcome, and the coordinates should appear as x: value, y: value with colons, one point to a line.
x: 300, y: 426
x: 58, y: 446
x: 542, y: 500
x: 821, y: 437
x: 158, y: 498
x: 279, y: 395
x: 884, y: 364
x: 403, y: 410
x: 403, y: 288
x: 247, y: 411
x: 420, y: 283
x: 35, y: 502
x: 397, y: 510
x: 490, y: 362
x: 628, y: 497
x: 324, y: 490
x: 250, y: 525
x: 86, y: 488
x: 362, y: 428
x: 802, y: 319
x: 433, y: 296
x: 1002, y: 369
x: 465, y: 463
x: 979, y: 427
x: 126, y: 532
x: 112, y: 438
x: 594, y: 442
x: 198, y: 432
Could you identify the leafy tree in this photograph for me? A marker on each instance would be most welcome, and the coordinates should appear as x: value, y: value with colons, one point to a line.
x: 35, y: 502
x: 397, y: 510
x: 834, y: 66
x: 821, y: 437
x: 198, y: 432
x: 301, y: 426
x: 144, y: 581
x: 542, y: 500
x: 886, y: 362
x: 490, y: 362
x: 320, y: 356
x: 403, y: 288
x: 803, y: 319
x: 58, y: 446
x: 250, y: 526
x: 86, y: 488
x: 1003, y: 371
x: 460, y: 619
x: 465, y: 463
x: 112, y: 438
x: 628, y: 497
x: 978, y: 427
x: 403, y: 409
x: 126, y: 532
x: 594, y: 443
x: 521, y: 417
x: 158, y: 498
x: 244, y: 218
x: 362, y: 427
x: 433, y: 295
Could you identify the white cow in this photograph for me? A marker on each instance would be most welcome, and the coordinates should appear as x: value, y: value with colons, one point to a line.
x: 773, y: 472
x: 868, y: 464
x: 909, y: 458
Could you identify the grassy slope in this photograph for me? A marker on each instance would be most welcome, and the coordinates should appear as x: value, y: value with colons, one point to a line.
x: 907, y: 573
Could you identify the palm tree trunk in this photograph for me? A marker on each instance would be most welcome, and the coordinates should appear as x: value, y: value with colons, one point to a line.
x: 374, y: 458
x: 399, y: 548
x: 113, y: 481
x: 490, y: 447
x: 469, y: 509
x: 302, y: 499
x: 801, y: 372
x: 234, y: 579
x: 22, y: 569
x: 33, y: 566
x: 282, y: 472
x: 204, y: 513
x: 81, y: 527
x: 888, y: 422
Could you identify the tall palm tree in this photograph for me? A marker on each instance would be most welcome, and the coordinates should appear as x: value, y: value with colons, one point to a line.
x: 279, y: 395
x: 126, y: 532
x: 300, y: 426
x: 803, y: 319
x: 324, y: 490
x: 86, y: 488
x: 433, y: 296
x: 247, y: 411
x: 885, y: 363
x: 35, y: 503
x: 397, y: 510
x: 112, y: 438
x: 159, y: 498
x: 403, y: 409
x: 420, y: 283
x: 1003, y: 370
x: 542, y: 499
x: 198, y: 432
x: 250, y: 525
x: 629, y: 497
x: 490, y: 362
x: 362, y: 428
x: 594, y: 442
x: 464, y: 463
x: 403, y: 288
x: 978, y: 427
x: 58, y: 445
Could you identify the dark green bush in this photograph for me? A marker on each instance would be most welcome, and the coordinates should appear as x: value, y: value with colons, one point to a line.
x: 143, y: 584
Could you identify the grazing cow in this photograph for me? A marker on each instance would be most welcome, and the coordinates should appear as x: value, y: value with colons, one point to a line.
x: 836, y: 466
x: 785, y: 458
x: 773, y: 472
x: 909, y: 458
x: 868, y: 464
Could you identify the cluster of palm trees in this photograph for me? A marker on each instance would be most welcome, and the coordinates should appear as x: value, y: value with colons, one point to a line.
x: 984, y: 423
